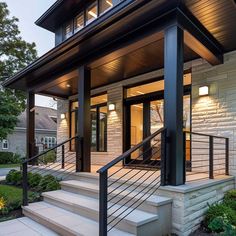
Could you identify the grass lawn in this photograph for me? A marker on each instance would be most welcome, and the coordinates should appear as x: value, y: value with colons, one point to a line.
x: 9, y: 165
x: 13, y: 194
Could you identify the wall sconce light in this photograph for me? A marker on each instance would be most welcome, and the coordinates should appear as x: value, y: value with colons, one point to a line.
x: 111, y: 107
x: 203, y: 90
x: 63, y: 116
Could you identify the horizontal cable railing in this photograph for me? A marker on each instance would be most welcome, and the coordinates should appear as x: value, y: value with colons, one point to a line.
x: 206, y: 155
x: 124, y: 186
x: 58, y: 161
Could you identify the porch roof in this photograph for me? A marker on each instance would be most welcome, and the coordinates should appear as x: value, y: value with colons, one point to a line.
x: 129, y: 41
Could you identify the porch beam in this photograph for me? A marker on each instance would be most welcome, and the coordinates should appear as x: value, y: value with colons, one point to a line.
x: 173, y: 97
x: 198, y: 38
x: 30, y: 117
x: 84, y: 118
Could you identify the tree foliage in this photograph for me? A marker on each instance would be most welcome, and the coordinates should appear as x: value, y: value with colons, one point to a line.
x: 15, y: 54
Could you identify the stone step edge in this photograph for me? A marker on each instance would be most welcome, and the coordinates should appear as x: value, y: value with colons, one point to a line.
x: 96, y: 211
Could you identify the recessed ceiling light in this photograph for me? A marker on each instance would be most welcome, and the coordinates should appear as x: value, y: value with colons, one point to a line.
x: 68, y: 85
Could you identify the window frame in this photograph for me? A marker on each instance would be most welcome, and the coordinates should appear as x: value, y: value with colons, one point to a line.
x: 5, y: 141
x: 97, y: 106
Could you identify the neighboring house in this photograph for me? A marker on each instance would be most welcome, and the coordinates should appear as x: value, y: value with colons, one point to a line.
x: 146, y: 98
x: 45, y: 132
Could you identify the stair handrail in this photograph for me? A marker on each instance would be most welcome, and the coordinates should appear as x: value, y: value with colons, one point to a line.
x: 49, y: 167
x: 26, y: 160
x: 103, y: 182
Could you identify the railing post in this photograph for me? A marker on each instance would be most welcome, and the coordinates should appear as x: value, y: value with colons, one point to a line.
x: 25, y: 183
x: 227, y: 156
x: 164, y: 173
x: 63, y: 156
x: 211, y: 157
x: 103, y: 204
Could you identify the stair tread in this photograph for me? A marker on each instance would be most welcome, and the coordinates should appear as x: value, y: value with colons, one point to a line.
x: 153, y: 200
x: 71, y: 222
x: 137, y: 217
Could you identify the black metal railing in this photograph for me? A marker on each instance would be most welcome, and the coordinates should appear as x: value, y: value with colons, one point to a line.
x: 118, y: 198
x: 206, y: 156
x: 60, y: 166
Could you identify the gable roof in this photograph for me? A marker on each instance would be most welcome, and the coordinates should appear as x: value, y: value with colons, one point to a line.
x: 43, y: 119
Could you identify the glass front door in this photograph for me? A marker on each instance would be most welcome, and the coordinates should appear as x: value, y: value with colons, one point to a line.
x: 143, y: 119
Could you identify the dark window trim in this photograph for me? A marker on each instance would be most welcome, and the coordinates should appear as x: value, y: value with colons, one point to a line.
x: 97, y: 107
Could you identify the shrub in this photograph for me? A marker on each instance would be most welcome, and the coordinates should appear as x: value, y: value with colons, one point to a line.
x: 49, y: 157
x: 9, y: 158
x: 34, y: 179
x: 230, y: 203
x: 48, y: 183
x: 220, y: 210
x: 230, y: 195
x: 14, y: 177
x: 9, y: 176
x: 221, y: 224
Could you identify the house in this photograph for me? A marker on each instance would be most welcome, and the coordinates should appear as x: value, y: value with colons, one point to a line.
x: 45, y: 132
x: 146, y: 101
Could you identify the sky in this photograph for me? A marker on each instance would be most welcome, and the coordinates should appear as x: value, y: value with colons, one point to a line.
x: 28, y: 11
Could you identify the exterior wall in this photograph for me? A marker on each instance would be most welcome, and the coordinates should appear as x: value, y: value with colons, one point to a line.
x: 17, y: 140
x: 216, y: 114
x: 190, y: 202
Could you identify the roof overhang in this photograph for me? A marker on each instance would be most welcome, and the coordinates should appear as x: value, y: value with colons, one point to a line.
x: 113, y: 35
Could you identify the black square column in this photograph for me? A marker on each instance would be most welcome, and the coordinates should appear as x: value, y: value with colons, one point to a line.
x: 84, y: 118
x: 30, y: 126
x: 173, y: 111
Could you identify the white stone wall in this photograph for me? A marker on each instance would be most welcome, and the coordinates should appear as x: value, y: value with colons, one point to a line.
x: 191, y: 201
x: 216, y: 114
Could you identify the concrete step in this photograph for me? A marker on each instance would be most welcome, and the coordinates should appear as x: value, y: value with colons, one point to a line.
x: 89, y: 208
x: 65, y: 222
x: 151, y: 205
x: 24, y: 226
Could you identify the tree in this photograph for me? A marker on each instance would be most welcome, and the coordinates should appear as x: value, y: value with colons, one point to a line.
x: 15, y: 54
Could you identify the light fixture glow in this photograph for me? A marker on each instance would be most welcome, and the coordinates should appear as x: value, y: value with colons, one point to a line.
x: 63, y: 116
x: 68, y: 85
x: 111, y: 107
x: 203, y: 90
x: 109, y: 3
x: 91, y: 13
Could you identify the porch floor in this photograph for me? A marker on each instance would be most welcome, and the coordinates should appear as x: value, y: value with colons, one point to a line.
x: 125, y: 173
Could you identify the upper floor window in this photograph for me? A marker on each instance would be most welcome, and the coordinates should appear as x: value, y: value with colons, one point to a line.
x: 79, y: 22
x: 5, y: 144
x: 68, y: 30
x: 91, y: 12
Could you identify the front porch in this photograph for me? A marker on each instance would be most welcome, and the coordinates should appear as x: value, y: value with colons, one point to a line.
x: 129, y: 108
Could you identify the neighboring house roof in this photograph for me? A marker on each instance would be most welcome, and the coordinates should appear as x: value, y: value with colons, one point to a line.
x: 44, y: 119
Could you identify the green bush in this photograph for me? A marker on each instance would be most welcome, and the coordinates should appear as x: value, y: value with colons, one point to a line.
x: 9, y: 158
x: 221, y: 225
x: 220, y: 210
x: 10, y: 175
x: 49, y: 157
x: 48, y: 183
x: 230, y: 195
x: 34, y: 179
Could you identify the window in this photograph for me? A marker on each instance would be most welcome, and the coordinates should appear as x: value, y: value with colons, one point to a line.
x: 91, y: 13
x: 98, y: 123
x: 49, y: 142
x: 153, y: 87
x: 68, y: 30
x: 105, y: 5
x: 78, y: 22
x: 5, y: 144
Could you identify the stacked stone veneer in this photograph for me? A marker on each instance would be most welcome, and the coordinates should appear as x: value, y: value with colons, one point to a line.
x: 191, y: 201
x: 216, y: 114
